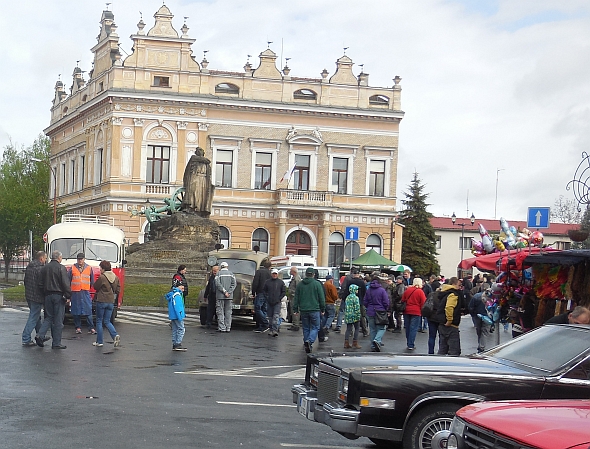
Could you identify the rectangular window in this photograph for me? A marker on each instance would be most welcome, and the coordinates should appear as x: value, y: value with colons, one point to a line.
x: 158, y: 164
x: 223, y: 168
x: 82, y: 171
x: 339, y: 174
x: 438, y: 242
x: 64, y: 179
x: 99, y: 162
x: 72, y: 185
x: 465, y: 243
x: 161, y: 81
x: 263, y: 171
x: 301, y: 172
x: 377, y: 178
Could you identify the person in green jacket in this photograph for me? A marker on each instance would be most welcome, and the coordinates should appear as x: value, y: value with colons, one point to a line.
x: 310, y: 302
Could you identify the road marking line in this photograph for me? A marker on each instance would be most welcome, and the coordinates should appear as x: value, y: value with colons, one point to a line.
x: 257, y: 404
x: 320, y: 446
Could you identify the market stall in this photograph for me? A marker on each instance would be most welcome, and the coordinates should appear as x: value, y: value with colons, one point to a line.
x: 369, y: 262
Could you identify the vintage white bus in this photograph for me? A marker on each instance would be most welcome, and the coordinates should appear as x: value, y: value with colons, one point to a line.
x: 96, y: 237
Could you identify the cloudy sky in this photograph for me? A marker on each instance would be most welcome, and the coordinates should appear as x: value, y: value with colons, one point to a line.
x: 491, y: 89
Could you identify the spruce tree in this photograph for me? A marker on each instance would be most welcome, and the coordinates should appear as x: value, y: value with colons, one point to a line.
x: 585, y: 225
x: 419, y: 239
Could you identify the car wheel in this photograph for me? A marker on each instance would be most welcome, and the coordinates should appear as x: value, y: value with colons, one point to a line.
x: 203, y: 315
x: 429, y: 427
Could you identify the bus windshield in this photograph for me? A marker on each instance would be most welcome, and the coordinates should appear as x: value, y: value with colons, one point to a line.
x: 93, y: 249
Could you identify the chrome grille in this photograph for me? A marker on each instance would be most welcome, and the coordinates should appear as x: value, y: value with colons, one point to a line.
x: 327, y: 387
x: 478, y: 438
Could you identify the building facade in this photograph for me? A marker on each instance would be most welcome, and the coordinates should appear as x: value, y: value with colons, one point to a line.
x: 451, y: 239
x: 295, y: 161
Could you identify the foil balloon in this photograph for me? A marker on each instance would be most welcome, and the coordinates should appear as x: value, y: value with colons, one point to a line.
x: 486, y: 319
x: 536, y: 239
x: 510, y: 239
x: 476, y: 245
x: 499, y: 245
x: 486, y: 240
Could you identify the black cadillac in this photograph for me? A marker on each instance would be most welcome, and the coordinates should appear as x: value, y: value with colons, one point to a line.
x: 411, y: 399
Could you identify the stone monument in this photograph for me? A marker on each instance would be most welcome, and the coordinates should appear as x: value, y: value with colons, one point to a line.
x: 179, y: 237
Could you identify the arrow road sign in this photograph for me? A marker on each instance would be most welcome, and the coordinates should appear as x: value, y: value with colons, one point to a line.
x: 538, y: 217
x: 351, y: 233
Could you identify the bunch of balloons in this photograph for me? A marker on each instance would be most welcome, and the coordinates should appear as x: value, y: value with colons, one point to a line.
x: 509, y: 238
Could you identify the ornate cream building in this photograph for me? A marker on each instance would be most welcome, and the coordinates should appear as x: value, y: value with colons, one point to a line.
x: 295, y: 160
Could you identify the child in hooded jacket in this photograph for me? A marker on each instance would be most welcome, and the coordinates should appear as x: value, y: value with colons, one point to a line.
x: 352, y: 317
x: 176, y: 314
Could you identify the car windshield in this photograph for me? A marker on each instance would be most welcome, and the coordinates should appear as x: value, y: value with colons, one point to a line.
x: 240, y: 266
x: 532, y: 350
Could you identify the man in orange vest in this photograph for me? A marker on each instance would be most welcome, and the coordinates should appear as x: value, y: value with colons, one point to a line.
x: 81, y: 280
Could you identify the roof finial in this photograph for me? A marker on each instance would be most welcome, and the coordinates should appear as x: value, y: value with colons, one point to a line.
x: 268, y: 44
x: 186, y: 17
x: 361, y: 66
x: 346, y: 48
x: 248, y: 60
x: 140, y: 16
x: 205, y: 53
x: 77, y: 62
x: 108, y: 5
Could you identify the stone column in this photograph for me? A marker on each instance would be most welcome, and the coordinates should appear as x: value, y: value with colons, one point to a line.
x: 280, y: 243
x: 116, y: 147
x: 324, y: 244
x: 137, y: 141
x: 181, y: 153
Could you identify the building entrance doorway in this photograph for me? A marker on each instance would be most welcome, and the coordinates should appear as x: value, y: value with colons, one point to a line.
x: 298, y: 242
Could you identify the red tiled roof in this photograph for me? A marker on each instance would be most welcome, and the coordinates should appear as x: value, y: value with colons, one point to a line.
x: 493, y: 226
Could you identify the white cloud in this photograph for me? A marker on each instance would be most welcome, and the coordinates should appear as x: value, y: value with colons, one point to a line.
x: 487, y: 85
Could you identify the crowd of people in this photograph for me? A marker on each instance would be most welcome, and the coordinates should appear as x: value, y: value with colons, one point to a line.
x: 370, y: 305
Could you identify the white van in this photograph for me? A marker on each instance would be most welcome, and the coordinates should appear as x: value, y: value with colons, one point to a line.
x: 291, y: 260
x: 284, y: 274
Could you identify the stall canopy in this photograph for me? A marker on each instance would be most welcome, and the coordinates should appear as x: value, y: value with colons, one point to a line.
x: 502, y: 261
x: 569, y: 257
x: 370, y: 261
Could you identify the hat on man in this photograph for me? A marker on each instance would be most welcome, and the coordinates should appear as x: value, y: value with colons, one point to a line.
x: 328, y: 277
x: 354, y: 271
x: 309, y: 272
x: 223, y: 265
x: 80, y: 256
x: 399, y: 278
x: 274, y: 271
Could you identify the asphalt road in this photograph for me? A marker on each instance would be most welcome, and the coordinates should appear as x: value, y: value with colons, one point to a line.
x: 228, y: 390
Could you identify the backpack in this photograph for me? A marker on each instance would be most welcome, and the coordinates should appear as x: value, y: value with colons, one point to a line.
x: 429, y: 306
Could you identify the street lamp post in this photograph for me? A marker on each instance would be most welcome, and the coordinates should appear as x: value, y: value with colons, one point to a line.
x: 454, y: 220
x: 54, y: 186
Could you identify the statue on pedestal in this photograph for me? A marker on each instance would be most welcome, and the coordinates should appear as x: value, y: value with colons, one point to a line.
x: 198, y: 194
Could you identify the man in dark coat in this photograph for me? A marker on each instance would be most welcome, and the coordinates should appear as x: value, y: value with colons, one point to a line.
x: 34, y: 297
x: 260, y: 277
x: 274, y: 290
x: 210, y: 294
x: 56, y: 287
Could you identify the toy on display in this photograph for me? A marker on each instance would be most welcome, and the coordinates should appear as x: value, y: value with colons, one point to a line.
x: 508, y: 239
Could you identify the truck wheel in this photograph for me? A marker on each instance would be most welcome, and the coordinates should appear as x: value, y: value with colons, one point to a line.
x: 203, y: 315
x: 429, y: 427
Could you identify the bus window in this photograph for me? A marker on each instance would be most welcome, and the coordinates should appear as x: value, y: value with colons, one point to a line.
x: 101, y: 250
x: 69, y: 248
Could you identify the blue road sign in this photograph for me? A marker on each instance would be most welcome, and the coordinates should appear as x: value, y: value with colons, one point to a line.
x: 351, y: 233
x: 538, y: 217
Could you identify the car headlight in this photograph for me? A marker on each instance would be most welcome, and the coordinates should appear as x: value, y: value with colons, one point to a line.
x: 452, y: 442
x: 343, y: 390
x: 313, y: 375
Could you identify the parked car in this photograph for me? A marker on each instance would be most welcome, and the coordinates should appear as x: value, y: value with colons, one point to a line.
x: 243, y: 264
x: 546, y: 424
x: 413, y: 398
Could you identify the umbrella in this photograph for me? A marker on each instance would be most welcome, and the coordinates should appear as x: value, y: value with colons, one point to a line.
x: 401, y: 267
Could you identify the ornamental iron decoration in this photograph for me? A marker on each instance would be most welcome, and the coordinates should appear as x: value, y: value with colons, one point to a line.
x: 580, y: 185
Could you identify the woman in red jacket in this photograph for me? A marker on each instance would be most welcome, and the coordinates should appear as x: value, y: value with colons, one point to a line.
x: 414, y: 298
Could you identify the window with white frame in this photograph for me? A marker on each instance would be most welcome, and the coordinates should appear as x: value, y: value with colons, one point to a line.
x: 223, y: 168
x: 374, y: 242
x: 157, y: 164
x: 336, y: 250
x: 301, y: 172
x: 465, y: 243
x: 263, y: 171
x: 224, y: 236
x: 377, y: 177
x: 260, y: 239
x: 438, y: 242
x: 340, y: 175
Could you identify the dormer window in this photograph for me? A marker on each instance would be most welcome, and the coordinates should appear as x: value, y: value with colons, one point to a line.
x: 304, y: 94
x: 379, y: 99
x: 84, y: 98
x: 161, y: 81
x: 227, y: 88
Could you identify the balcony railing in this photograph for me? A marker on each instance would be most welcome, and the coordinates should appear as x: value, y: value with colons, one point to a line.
x: 160, y: 189
x: 304, y: 198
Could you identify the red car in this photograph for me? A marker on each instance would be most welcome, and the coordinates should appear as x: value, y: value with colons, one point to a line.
x: 543, y: 424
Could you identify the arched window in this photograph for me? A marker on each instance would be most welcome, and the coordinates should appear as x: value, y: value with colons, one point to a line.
x: 224, y: 236
x: 379, y: 99
x: 305, y: 94
x: 260, y: 239
x: 374, y: 242
x: 336, y: 250
x: 227, y: 88
x: 65, y: 110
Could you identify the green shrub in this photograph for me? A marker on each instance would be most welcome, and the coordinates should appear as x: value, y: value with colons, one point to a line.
x: 14, y: 293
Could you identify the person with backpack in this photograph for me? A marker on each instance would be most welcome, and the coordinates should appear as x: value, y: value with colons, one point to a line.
x: 376, y: 302
x: 448, y: 315
x: 176, y: 314
x: 429, y: 311
x: 352, y: 318
x: 107, y: 289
